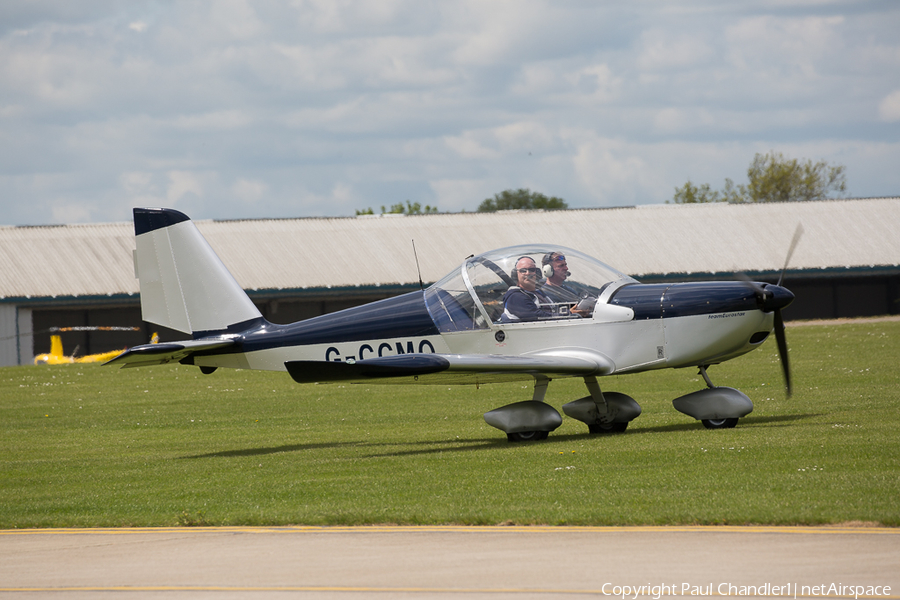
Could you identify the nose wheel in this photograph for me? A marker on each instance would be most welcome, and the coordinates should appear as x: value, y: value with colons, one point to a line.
x: 527, y: 436
x: 607, y: 427
x: 719, y: 423
x: 715, y: 407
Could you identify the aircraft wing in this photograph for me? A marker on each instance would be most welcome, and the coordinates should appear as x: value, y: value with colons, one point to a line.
x: 166, y: 352
x: 448, y: 368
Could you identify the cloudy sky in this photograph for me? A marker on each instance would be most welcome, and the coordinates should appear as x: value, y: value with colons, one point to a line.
x: 240, y: 109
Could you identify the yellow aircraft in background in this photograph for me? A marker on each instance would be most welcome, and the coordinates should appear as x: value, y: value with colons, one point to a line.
x: 56, y: 356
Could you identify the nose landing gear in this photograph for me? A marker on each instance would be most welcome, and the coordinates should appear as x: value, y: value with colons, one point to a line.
x: 715, y: 407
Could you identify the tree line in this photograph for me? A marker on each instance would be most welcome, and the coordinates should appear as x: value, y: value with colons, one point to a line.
x: 772, y: 177
x: 520, y: 199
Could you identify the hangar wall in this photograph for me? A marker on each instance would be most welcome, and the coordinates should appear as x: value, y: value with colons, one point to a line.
x: 847, y: 297
x: 16, y: 340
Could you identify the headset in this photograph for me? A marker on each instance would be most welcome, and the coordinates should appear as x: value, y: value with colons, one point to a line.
x: 515, y: 272
x: 547, y: 268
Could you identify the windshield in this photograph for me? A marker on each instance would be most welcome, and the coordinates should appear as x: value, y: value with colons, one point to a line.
x: 560, y: 282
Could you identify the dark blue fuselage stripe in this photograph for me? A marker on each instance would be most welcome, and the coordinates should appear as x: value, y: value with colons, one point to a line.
x: 654, y: 301
x: 402, y: 316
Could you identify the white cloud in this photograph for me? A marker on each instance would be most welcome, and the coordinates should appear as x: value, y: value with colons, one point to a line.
x: 595, y: 82
x: 660, y: 50
x: 607, y: 167
x: 786, y: 51
x: 249, y: 191
x: 136, y: 183
x: 493, y: 31
x: 182, y: 183
x: 889, y: 107
x: 70, y: 213
x: 452, y: 195
x: 212, y: 121
x: 236, y: 17
x: 351, y: 16
x: 468, y: 146
x: 142, y: 188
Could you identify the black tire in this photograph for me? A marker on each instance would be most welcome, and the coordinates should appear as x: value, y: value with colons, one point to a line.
x: 608, y: 427
x: 527, y: 436
x: 719, y: 423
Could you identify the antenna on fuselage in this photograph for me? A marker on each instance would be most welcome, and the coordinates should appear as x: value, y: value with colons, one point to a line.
x: 418, y: 271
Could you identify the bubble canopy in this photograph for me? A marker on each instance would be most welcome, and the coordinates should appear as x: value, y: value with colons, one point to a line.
x: 471, y: 296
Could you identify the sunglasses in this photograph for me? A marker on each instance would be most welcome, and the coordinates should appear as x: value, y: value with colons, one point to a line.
x: 559, y: 258
x: 528, y: 270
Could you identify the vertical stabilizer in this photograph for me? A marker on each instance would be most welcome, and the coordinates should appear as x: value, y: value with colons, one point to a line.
x: 184, y: 285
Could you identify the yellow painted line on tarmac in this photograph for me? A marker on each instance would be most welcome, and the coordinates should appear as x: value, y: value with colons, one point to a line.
x: 799, y: 530
x: 370, y: 589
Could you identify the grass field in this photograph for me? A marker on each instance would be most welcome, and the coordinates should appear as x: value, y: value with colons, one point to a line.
x: 85, y: 445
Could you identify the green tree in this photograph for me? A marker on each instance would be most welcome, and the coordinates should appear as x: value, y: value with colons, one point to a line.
x: 772, y: 178
x: 521, y: 198
x: 692, y: 194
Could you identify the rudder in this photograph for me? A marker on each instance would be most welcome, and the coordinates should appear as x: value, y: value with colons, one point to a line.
x: 184, y: 285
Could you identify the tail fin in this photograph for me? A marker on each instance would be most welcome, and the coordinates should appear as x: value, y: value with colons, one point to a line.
x: 184, y: 285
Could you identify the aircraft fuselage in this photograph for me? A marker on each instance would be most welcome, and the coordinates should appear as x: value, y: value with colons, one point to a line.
x: 676, y: 325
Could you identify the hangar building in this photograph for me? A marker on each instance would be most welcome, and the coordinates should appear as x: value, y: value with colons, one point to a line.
x: 847, y: 263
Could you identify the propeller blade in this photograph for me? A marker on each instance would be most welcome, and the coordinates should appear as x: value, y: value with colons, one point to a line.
x: 745, y: 279
x: 783, y: 350
x: 797, y: 234
x: 753, y: 286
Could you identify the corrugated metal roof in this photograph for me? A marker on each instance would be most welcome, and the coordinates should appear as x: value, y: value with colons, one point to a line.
x: 96, y: 260
x: 71, y: 260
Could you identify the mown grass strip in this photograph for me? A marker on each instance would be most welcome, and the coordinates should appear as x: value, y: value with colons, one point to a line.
x: 88, y: 446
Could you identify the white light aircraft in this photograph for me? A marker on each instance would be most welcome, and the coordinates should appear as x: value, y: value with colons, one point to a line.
x: 525, y: 313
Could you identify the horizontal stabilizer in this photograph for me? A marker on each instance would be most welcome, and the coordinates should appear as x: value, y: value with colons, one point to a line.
x: 441, y: 368
x: 167, y: 352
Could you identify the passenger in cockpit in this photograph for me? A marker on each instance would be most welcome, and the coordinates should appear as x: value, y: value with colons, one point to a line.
x: 556, y: 270
x: 523, y: 302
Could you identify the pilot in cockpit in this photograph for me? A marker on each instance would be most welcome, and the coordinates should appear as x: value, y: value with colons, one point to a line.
x: 525, y: 302
x: 556, y: 270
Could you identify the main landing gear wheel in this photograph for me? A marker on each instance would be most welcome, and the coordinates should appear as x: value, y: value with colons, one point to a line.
x: 608, y: 427
x: 719, y: 423
x: 527, y: 436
